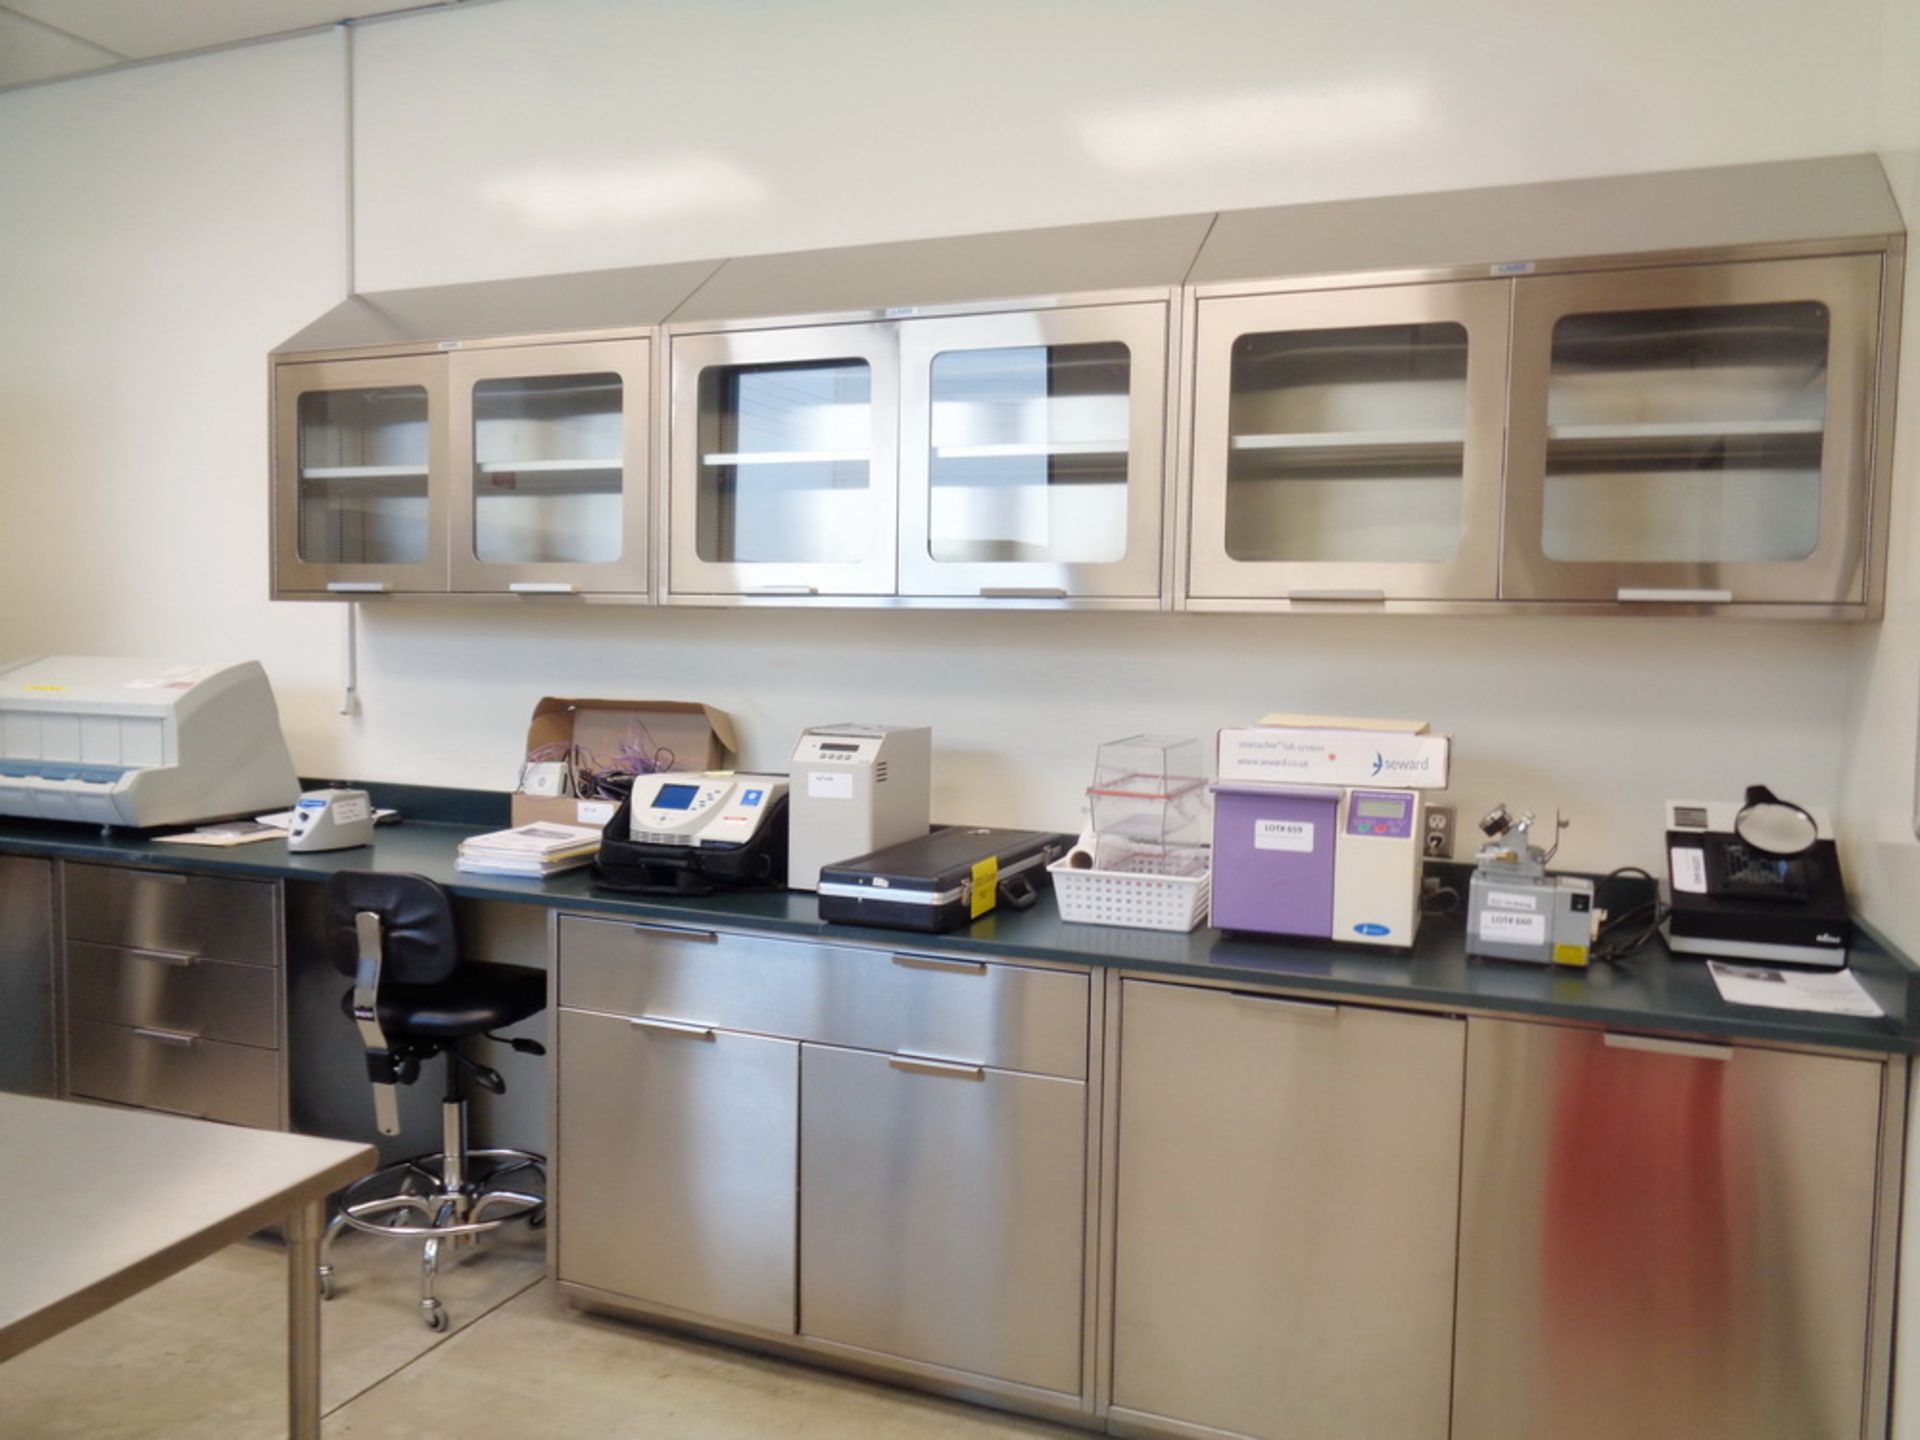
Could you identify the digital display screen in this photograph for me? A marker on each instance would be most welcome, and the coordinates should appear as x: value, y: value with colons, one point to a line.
x: 675, y: 797
x: 1379, y: 809
x: 828, y: 748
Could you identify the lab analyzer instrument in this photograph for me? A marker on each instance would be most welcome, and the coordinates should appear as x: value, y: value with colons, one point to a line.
x: 1758, y: 880
x: 1322, y: 862
x: 333, y: 819
x: 856, y: 789
x: 694, y: 832
x: 1515, y: 910
x: 140, y: 743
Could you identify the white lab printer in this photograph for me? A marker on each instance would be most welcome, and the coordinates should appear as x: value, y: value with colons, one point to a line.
x: 853, y: 790
x: 140, y: 743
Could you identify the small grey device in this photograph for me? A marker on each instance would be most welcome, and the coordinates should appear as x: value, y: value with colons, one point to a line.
x: 1515, y: 910
x: 331, y: 820
x: 854, y: 789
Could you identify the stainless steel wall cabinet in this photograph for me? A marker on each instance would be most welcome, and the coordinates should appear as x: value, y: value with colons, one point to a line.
x: 1666, y: 1240
x: 1288, y: 1180
x: 1667, y: 392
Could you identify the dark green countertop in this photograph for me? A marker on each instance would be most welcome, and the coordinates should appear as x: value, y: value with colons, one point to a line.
x: 1652, y: 992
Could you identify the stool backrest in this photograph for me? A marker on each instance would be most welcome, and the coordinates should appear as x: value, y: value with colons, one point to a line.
x: 419, y: 945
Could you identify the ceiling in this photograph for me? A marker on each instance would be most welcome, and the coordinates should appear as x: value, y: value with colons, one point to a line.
x: 50, y: 39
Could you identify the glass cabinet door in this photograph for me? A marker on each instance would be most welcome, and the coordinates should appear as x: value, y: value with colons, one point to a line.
x: 1032, y: 453
x: 1698, y: 434
x: 783, y: 455
x: 358, y: 489
x: 1347, y: 444
x: 550, y: 454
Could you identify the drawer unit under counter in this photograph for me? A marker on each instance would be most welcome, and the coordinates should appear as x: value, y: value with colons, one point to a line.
x: 182, y: 1074
x: 157, y: 990
x: 1007, y: 1016
x: 208, y: 917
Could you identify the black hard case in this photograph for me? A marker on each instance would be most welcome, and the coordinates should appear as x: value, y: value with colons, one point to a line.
x: 938, y: 864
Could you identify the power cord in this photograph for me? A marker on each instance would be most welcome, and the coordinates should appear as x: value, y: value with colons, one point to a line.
x: 1627, y: 933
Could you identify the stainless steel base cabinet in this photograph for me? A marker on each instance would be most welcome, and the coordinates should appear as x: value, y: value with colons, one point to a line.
x: 1663, y: 1240
x: 675, y: 1167
x: 943, y: 1213
x: 1287, y: 1188
x: 26, y: 976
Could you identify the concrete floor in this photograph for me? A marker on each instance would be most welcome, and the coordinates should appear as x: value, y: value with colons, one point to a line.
x: 201, y: 1356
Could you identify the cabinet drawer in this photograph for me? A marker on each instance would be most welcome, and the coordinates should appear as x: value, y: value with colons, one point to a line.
x: 201, y: 915
x: 210, y: 999
x: 1012, y: 1017
x: 157, y: 1071
x: 676, y: 1164
x: 942, y: 1214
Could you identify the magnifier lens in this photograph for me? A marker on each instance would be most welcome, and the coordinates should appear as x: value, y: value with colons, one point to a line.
x: 1777, y: 829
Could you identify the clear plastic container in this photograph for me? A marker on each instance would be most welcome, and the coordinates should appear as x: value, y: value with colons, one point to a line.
x: 1150, y: 789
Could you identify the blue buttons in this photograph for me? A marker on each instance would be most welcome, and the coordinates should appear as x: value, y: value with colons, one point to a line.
x: 753, y: 797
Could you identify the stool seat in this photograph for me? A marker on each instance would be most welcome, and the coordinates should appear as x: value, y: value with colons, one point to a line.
x: 478, y: 996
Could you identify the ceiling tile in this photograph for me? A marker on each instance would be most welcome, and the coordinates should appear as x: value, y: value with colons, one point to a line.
x: 142, y: 29
x: 33, y: 52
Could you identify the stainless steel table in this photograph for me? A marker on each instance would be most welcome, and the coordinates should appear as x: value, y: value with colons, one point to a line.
x: 96, y: 1204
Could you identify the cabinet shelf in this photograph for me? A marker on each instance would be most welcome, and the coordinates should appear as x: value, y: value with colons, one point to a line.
x: 546, y: 467
x: 1353, y: 440
x: 784, y: 457
x: 1687, y: 430
x: 364, y: 472
x: 1024, y: 450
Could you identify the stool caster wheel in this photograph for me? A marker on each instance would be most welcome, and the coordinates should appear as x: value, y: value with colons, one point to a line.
x: 326, y: 1282
x: 537, y: 1219
x: 434, y: 1315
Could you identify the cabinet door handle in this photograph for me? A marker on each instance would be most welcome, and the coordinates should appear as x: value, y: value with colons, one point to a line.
x: 163, y: 957
x: 1022, y: 592
x: 676, y: 932
x: 914, y: 1065
x: 674, y: 1027
x: 165, y: 877
x: 165, y: 1037
x: 1689, y: 1049
x: 1631, y: 595
x: 783, y: 590
x: 1367, y: 597
x: 1311, y: 1009
x: 540, y: 587
x: 358, y: 587
x: 948, y: 967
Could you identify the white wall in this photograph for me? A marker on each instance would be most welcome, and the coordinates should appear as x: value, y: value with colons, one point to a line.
x: 160, y: 229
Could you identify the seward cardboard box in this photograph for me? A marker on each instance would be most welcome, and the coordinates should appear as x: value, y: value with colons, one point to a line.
x: 677, y: 734
x: 1334, y: 750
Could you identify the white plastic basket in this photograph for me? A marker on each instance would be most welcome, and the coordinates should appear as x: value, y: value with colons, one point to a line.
x: 1146, y: 889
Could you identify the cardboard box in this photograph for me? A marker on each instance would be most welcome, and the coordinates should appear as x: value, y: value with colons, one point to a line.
x: 1313, y: 750
x: 679, y: 734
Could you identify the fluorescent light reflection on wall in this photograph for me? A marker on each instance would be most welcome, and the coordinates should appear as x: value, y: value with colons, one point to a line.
x: 625, y: 194
x: 1201, y: 130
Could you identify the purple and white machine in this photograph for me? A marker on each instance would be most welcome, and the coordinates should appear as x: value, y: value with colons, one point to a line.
x: 1323, y: 862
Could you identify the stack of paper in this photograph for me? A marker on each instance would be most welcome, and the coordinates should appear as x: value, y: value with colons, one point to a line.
x: 543, y: 848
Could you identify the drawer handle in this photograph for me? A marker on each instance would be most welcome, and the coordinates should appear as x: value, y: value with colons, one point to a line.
x: 1630, y: 595
x: 1311, y: 1009
x: 1022, y: 592
x: 166, y: 877
x: 674, y: 1027
x: 165, y: 1037
x: 1689, y: 1049
x: 914, y: 1065
x: 946, y: 967
x: 677, y: 932
x: 1338, y: 597
x: 163, y: 957
x: 358, y: 587
x: 540, y: 587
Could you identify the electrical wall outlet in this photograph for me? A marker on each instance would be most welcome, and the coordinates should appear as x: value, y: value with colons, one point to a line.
x: 1439, y: 841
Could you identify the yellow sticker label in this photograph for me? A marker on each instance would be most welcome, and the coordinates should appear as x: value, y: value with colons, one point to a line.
x: 986, y: 885
x: 1570, y: 955
x: 45, y: 687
